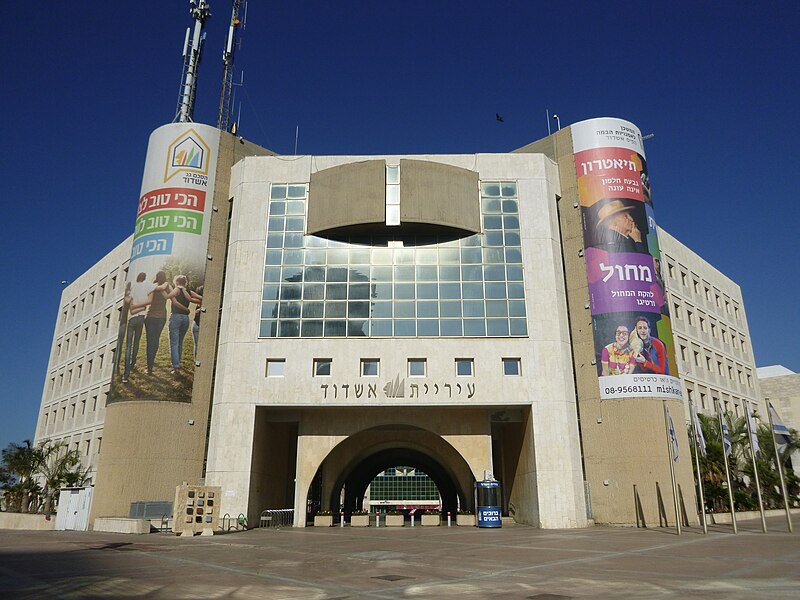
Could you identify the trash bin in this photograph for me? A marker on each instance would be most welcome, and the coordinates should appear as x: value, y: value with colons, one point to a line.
x: 487, y: 503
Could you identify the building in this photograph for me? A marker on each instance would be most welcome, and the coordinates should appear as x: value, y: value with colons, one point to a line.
x: 449, y: 313
x: 83, y: 357
x: 712, y: 340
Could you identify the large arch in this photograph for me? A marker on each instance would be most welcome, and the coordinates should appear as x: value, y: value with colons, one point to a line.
x: 358, y: 478
x: 354, y: 462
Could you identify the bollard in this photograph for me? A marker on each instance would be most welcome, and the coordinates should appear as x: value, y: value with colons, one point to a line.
x: 448, y: 519
x: 377, y: 519
x: 412, y: 519
x: 341, y: 519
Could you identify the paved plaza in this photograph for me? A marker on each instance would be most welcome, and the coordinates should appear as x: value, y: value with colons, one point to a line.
x: 514, y: 562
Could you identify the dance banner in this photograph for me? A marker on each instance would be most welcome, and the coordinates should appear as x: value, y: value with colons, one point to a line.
x: 159, y: 319
x: 630, y: 316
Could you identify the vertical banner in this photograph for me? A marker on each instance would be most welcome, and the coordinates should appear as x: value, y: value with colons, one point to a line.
x: 630, y: 316
x: 159, y: 321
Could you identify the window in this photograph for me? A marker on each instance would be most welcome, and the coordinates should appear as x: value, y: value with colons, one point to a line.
x: 83, y: 406
x: 464, y: 367
x: 392, y: 195
x: 370, y: 367
x: 322, y: 367
x: 275, y: 367
x: 684, y: 355
x: 511, y: 366
x: 86, y: 446
x: 417, y: 367
x: 94, y: 403
x: 99, y: 443
x: 696, y: 359
x: 690, y: 317
x: 671, y: 270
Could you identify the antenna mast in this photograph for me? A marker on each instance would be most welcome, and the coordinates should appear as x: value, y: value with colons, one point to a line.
x: 200, y: 11
x: 224, y: 113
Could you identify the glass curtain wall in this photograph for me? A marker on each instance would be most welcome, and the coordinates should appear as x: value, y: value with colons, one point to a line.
x: 376, y: 287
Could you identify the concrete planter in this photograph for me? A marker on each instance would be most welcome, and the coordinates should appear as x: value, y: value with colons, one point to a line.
x: 359, y: 520
x: 465, y: 520
x: 323, y: 521
x: 395, y: 520
x: 430, y: 520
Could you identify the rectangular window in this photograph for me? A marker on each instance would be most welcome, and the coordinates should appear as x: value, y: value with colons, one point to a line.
x: 276, y: 367
x: 511, y: 366
x: 99, y: 443
x: 370, y: 367
x: 417, y: 367
x: 322, y: 367
x: 464, y: 367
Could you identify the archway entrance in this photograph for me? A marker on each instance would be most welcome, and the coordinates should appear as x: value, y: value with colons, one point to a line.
x: 352, y: 486
x: 408, y: 467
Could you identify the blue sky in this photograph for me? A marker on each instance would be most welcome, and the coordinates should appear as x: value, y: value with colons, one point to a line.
x: 85, y: 83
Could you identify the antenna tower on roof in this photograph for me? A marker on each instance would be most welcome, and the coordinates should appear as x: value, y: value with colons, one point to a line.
x: 231, y: 44
x: 192, y: 48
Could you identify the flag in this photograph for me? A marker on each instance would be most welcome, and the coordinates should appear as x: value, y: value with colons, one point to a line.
x: 779, y: 430
x: 673, y: 438
x: 726, y: 433
x: 698, y: 434
x: 752, y: 426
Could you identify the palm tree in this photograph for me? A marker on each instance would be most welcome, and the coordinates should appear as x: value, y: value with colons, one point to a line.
x: 20, y: 462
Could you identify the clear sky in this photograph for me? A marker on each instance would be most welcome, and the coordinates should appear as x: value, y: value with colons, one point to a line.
x: 84, y: 84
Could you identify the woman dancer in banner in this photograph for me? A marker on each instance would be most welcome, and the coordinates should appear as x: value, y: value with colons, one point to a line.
x: 156, y: 317
x: 178, y: 321
x: 617, y: 357
x: 651, y: 356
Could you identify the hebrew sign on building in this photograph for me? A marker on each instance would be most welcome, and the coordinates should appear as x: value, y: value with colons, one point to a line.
x: 159, y: 325
x: 630, y: 316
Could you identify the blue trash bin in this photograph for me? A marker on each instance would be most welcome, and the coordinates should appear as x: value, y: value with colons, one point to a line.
x: 487, y: 503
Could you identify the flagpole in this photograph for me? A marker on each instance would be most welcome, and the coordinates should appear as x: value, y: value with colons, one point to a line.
x: 755, y: 467
x: 697, y: 466
x: 780, y: 468
x: 727, y: 469
x: 672, y: 470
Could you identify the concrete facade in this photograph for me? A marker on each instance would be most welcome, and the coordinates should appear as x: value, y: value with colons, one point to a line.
x: 542, y: 474
x: 82, y: 359
x: 712, y: 340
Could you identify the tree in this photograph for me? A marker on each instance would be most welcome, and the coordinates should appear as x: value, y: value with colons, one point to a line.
x: 712, y: 466
x: 28, y: 473
x: 19, y: 465
x: 58, y: 467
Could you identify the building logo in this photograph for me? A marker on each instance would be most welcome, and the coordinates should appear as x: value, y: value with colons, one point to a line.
x: 188, y: 154
x: 396, y: 388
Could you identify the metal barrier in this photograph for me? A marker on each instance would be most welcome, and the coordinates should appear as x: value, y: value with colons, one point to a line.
x: 277, y: 517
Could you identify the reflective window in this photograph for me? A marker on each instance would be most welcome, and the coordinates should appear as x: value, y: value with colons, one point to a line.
x: 275, y: 367
x: 374, y: 287
x: 369, y: 367
x: 511, y: 366
x: 464, y: 367
x: 417, y: 367
x: 322, y: 367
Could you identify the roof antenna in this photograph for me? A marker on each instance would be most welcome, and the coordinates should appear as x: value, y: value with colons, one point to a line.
x: 200, y: 11
x: 232, y: 43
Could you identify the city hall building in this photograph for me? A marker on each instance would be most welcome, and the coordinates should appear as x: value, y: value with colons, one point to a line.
x: 454, y: 314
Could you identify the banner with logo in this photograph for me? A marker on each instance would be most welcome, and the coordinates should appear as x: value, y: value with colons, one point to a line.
x: 160, y: 318
x: 630, y: 315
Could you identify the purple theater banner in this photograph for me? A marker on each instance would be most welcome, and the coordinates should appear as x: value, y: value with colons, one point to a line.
x: 159, y: 323
x: 630, y: 316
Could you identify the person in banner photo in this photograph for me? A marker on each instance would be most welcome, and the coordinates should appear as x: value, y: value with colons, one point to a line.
x: 617, y: 229
x: 617, y: 357
x: 649, y: 353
